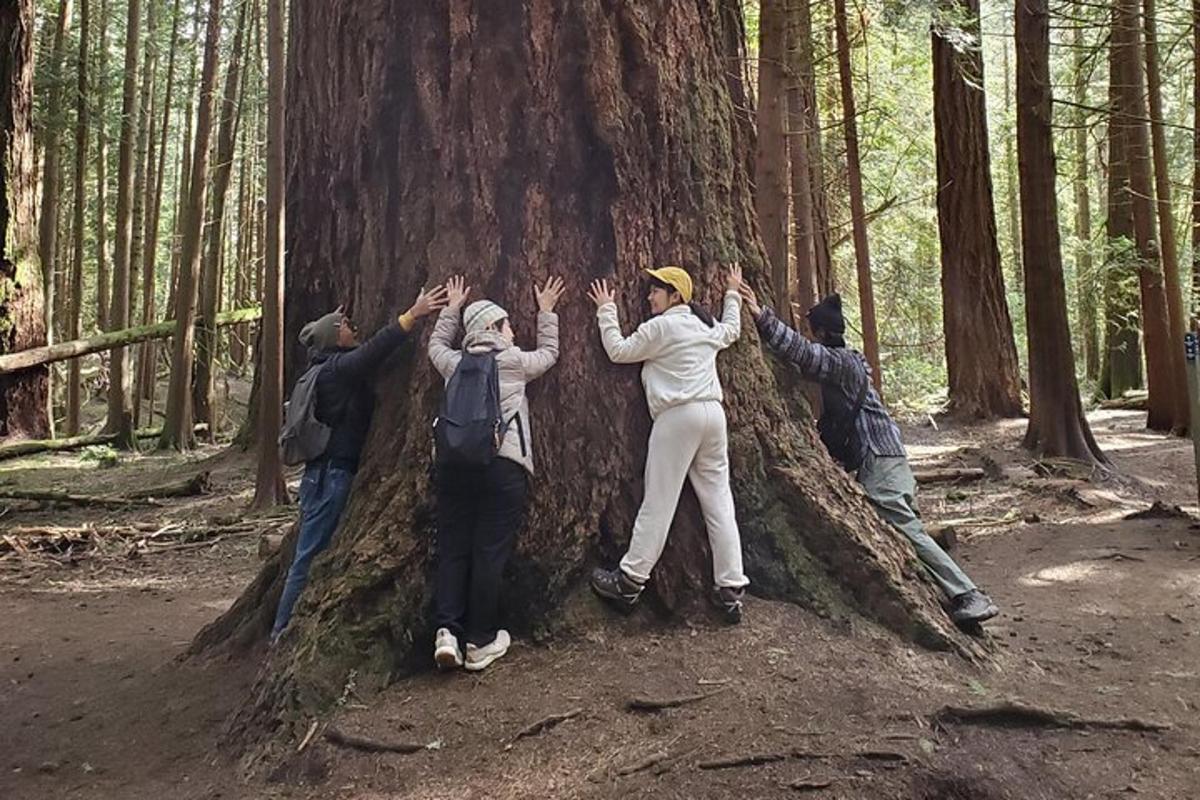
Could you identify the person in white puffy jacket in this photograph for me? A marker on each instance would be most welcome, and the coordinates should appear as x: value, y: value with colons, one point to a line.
x: 678, y: 348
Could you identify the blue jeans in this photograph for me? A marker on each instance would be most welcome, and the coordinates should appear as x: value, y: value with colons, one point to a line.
x: 323, y: 493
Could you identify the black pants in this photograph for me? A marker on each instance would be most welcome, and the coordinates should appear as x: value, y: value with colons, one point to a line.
x: 479, y: 511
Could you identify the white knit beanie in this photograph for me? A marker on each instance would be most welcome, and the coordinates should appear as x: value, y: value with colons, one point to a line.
x: 481, y: 315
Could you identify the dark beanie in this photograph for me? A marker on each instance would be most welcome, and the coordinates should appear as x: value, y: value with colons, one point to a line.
x: 827, y: 315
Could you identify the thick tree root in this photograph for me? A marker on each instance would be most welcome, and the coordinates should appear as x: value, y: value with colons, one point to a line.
x: 1018, y: 715
x: 645, y: 703
x: 546, y: 723
x: 334, y: 736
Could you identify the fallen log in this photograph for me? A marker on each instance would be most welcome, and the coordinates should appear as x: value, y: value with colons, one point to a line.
x: 188, y: 487
x: 36, y: 356
x: 66, y: 498
x: 31, y: 447
x: 1016, y: 714
x: 926, y: 477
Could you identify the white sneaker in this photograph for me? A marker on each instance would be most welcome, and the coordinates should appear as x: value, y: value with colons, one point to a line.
x: 480, y: 657
x: 445, y: 650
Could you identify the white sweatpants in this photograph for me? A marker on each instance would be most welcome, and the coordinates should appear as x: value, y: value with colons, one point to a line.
x: 687, y: 441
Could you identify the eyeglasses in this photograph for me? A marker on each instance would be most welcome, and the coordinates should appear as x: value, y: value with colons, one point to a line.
x: 349, y: 323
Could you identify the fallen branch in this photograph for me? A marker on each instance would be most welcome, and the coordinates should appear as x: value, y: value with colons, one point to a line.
x: 646, y: 763
x: 645, y: 703
x: 188, y: 487
x: 752, y: 760
x: 546, y: 723
x: 334, y: 736
x: 1015, y: 714
x: 926, y: 477
x: 807, y: 785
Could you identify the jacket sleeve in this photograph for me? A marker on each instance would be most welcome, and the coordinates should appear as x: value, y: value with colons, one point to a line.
x: 730, y: 327
x: 643, y: 344
x: 444, y: 357
x: 363, y: 360
x: 535, y: 363
x: 815, y: 361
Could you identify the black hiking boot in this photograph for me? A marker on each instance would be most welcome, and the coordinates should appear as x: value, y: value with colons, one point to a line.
x: 972, y: 608
x: 729, y: 601
x: 617, y: 588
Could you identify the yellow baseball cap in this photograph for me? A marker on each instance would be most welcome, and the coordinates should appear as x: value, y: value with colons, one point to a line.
x: 676, y: 277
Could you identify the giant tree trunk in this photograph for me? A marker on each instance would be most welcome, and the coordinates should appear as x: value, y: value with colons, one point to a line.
x: 1057, y: 426
x: 1130, y: 116
x: 1167, y: 248
x: 518, y: 142
x: 771, y: 160
x: 83, y: 98
x: 858, y: 213
x: 981, y: 357
x: 24, y: 396
x: 120, y: 389
x: 210, y: 283
x: 177, y: 428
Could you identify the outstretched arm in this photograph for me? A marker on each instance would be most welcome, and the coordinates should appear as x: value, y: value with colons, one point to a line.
x: 643, y: 344
x: 535, y: 363
x: 730, y: 326
x: 815, y: 361
x: 363, y: 360
x: 441, y: 351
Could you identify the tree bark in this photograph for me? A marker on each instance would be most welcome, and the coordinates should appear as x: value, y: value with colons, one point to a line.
x: 83, y: 98
x: 143, y: 187
x: 185, y: 167
x: 1167, y: 247
x: 1057, y: 426
x: 1010, y: 174
x: 177, y: 428
x: 1130, y: 115
x: 801, y: 97
x: 120, y: 390
x: 267, y: 401
x: 1195, y: 304
x: 103, y: 276
x: 210, y: 285
x: 555, y: 134
x: 48, y: 222
x: 858, y: 214
x: 771, y: 159
x: 1085, y: 277
x: 981, y: 357
x: 23, y: 398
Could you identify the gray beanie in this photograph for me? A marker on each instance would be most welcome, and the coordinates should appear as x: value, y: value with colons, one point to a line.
x: 322, y: 333
x: 481, y: 315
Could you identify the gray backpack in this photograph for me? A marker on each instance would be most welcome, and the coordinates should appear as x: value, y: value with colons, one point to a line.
x: 303, y: 437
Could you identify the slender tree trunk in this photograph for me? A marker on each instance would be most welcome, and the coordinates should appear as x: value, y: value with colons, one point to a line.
x: 143, y: 187
x: 185, y: 173
x: 83, y: 98
x: 981, y: 357
x: 771, y: 162
x: 23, y: 396
x: 177, y: 429
x: 1122, y: 368
x: 1010, y: 176
x: 120, y: 390
x: 1167, y: 247
x: 800, y: 97
x: 1057, y: 426
x: 858, y: 214
x: 210, y: 284
x: 1130, y: 116
x: 48, y: 223
x: 1085, y: 278
x: 237, y: 336
x: 588, y: 141
x: 103, y: 274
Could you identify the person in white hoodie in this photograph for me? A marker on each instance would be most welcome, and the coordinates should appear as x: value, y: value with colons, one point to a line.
x: 480, y: 508
x: 678, y: 349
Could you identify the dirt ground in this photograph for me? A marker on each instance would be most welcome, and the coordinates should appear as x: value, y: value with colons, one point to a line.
x: 1100, y: 619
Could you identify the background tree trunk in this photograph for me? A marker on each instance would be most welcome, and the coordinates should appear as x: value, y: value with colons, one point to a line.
x: 266, y: 397
x: 1130, y: 116
x: 1010, y: 174
x: 143, y: 186
x: 120, y: 389
x: 48, y: 222
x: 543, y: 170
x: 858, y: 213
x: 210, y: 284
x: 103, y: 275
x: 83, y: 98
x: 1085, y: 277
x: 24, y: 396
x: 1167, y: 248
x: 177, y: 428
x: 771, y: 161
x: 981, y: 357
x: 800, y: 97
x: 1057, y: 426
x: 1195, y: 304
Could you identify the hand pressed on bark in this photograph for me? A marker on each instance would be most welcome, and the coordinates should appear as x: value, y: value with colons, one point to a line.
x: 749, y: 298
x: 427, y: 302
x: 601, y: 294
x: 548, y: 294
x: 456, y: 292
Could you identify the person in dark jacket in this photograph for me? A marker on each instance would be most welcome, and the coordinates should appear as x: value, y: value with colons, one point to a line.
x: 345, y: 402
x: 860, y: 434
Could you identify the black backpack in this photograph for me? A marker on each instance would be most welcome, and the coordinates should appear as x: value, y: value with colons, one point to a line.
x: 838, y: 424
x: 303, y: 436
x: 469, y: 428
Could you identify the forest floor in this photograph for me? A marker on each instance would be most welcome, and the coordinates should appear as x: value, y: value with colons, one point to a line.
x: 1101, y: 618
